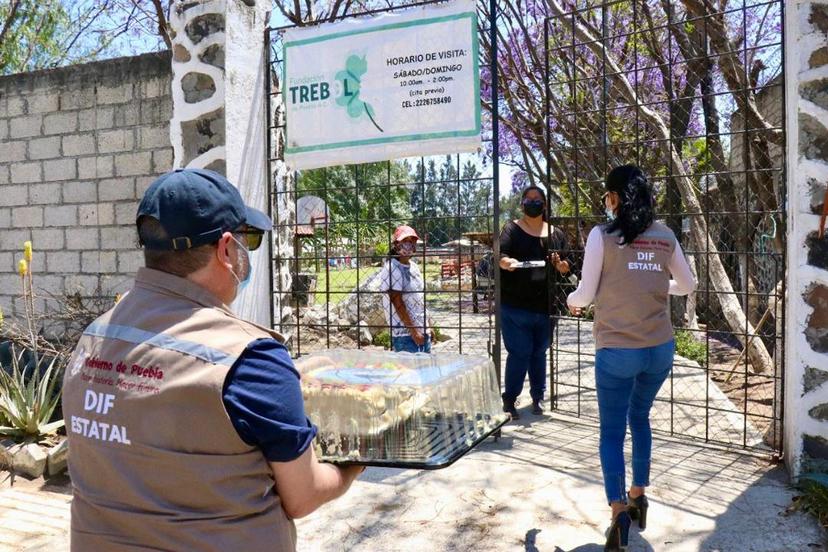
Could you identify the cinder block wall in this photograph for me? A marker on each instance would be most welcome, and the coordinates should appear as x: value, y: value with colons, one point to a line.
x: 78, y: 147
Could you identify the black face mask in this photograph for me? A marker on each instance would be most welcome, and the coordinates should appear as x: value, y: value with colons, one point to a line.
x: 533, y: 208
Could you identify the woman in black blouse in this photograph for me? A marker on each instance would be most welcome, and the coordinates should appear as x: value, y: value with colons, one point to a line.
x: 527, y: 299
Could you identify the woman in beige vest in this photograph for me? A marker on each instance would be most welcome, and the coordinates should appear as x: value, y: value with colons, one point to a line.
x: 628, y: 264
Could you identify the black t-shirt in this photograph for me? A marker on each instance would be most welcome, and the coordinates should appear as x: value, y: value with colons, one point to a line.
x: 528, y: 288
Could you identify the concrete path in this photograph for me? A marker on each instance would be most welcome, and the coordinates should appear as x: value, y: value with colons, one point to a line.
x: 538, y: 488
x: 34, y: 515
x: 689, y: 404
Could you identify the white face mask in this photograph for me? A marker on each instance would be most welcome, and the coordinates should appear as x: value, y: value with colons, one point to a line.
x: 610, y: 214
x: 407, y: 249
x: 246, y: 264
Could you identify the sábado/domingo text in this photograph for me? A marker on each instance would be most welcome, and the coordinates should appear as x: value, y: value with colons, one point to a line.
x: 424, y: 71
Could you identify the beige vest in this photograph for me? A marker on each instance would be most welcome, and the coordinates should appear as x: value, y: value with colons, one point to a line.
x: 632, y: 299
x: 155, y: 460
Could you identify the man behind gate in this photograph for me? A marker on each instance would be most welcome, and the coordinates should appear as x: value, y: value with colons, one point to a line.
x: 186, y: 425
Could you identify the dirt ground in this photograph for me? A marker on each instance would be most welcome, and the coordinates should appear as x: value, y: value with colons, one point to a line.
x: 752, y: 394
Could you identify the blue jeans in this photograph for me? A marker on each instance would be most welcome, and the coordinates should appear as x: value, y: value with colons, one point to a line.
x: 627, y: 381
x: 526, y: 335
x: 406, y: 344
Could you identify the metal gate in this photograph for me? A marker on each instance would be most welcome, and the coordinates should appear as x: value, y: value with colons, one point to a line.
x: 333, y: 232
x: 693, y: 92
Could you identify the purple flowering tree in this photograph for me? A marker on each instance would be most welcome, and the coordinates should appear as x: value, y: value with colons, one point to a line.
x: 644, y: 81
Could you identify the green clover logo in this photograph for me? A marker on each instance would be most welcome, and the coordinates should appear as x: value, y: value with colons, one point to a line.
x: 355, y: 67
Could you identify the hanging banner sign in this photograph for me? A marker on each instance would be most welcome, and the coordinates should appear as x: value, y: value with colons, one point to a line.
x: 397, y: 85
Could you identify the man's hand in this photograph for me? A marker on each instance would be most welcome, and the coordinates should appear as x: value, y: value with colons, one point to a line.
x: 560, y: 266
x: 418, y: 337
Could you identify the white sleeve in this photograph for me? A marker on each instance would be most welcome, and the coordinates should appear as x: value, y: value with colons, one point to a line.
x: 683, y: 281
x: 591, y: 271
x: 385, y: 276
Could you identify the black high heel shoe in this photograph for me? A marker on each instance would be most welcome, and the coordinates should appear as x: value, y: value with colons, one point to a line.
x: 618, y: 535
x: 638, y: 510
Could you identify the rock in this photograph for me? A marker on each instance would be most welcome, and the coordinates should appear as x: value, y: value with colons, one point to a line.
x: 361, y: 333
x: 6, y: 452
x: 314, y: 317
x: 58, y: 458
x: 180, y: 54
x: 30, y: 460
x: 368, y: 307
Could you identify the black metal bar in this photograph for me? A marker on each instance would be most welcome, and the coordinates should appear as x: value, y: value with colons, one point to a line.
x: 706, y: 217
x: 495, y: 179
x: 548, y: 161
x: 268, y: 146
x: 781, y: 363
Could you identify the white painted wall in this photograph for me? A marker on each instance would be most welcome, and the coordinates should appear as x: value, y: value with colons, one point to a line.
x: 800, y: 42
x: 246, y: 134
x: 240, y: 90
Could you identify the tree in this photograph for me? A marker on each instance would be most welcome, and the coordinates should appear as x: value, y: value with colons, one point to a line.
x: 365, y: 202
x: 31, y: 33
x: 620, y: 85
x: 40, y: 34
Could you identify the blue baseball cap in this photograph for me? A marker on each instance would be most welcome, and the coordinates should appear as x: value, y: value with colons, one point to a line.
x: 195, y: 207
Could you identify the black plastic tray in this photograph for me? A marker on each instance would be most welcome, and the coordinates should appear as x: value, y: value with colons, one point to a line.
x: 412, y: 465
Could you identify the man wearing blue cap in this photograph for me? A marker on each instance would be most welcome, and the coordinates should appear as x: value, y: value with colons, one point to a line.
x: 186, y: 424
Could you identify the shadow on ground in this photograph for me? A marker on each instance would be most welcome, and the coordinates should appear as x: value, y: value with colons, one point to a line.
x: 756, y: 520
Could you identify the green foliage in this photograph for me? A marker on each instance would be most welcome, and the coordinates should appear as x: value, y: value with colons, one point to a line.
x: 366, y: 202
x: 33, y: 34
x: 29, y: 393
x: 814, y: 499
x: 360, y: 199
x: 509, y: 208
x: 691, y: 348
x: 439, y: 336
x: 446, y: 203
x: 566, y: 208
x: 342, y: 281
x: 40, y: 34
x: 383, y: 339
x: 381, y: 251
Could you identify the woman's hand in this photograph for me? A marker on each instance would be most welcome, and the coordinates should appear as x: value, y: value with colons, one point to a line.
x: 508, y: 263
x: 574, y: 311
x: 560, y: 266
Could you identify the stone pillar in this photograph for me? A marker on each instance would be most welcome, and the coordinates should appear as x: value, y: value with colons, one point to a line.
x: 219, y: 119
x: 806, y: 378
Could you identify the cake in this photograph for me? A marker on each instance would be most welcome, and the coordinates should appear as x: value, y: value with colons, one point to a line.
x: 381, y: 407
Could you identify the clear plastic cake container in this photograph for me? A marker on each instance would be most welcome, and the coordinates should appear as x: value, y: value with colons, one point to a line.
x: 405, y: 410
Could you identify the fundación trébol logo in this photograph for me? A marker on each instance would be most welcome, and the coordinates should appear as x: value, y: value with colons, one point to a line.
x: 351, y: 77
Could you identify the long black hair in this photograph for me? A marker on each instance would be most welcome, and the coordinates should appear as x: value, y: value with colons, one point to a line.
x: 636, y: 211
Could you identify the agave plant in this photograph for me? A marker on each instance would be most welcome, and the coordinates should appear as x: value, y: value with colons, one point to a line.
x: 29, y: 394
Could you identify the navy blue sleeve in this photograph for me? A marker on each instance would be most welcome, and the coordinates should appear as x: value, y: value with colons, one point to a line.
x: 263, y: 398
